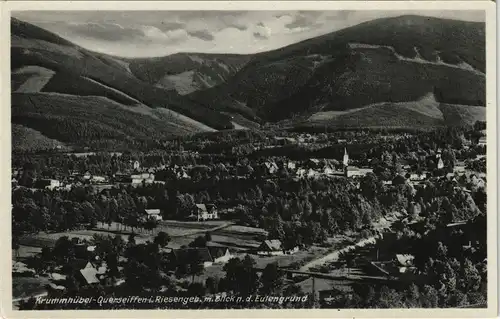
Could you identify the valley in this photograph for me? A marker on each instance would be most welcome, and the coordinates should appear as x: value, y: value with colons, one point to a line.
x: 343, y: 171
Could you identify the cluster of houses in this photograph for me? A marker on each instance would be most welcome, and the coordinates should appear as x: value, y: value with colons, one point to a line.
x: 86, y: 268
x: 211, y: 254
x: 75, y: 178
x: 274, y: 247
x: 200, y: 212
x: 316, y: 168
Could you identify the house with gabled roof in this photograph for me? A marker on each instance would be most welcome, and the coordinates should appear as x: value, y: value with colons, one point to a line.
x: 87, y: 272
x: 204, y: 212
x: 153, y: 213
x: 271, y: 247
x: 206, y: 255
x: 219, y: 254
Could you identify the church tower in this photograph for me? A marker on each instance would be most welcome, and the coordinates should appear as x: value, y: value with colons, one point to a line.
x: 346, y: 158
x: 440, y: 164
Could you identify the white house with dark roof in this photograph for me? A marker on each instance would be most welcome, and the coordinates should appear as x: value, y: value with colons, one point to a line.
x: 204, y: 212
x: 90, y: 274
x: 154, y: 213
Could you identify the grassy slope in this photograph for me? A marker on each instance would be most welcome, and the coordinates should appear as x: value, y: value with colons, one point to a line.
x: 421, y: 114
x: 70, y: 83
x: 463, y: 114
x: 34, y: 46
x: 388, y: 114
x: 30, y: 78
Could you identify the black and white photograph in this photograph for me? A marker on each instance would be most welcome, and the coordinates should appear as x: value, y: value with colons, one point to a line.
x: 250, y: 159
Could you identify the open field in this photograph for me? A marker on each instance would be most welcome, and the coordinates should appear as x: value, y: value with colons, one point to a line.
x: 182, y: 233
x: 193, y: 224
x: 49, y: 239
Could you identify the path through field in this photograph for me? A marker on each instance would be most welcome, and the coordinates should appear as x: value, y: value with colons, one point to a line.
x: 203, y: 231
x: 334, y: 256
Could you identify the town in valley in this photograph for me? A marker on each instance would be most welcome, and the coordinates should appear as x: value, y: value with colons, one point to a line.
x: 344, y: 171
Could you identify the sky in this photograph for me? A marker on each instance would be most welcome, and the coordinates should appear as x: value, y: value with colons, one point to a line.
x: 159, y: 33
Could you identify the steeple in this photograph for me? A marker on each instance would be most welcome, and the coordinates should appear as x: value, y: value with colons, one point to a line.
x: 346, y: 158
x: 440, y: 164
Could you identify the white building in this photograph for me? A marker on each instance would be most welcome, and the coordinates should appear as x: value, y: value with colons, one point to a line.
x: 143, y: 177
x: 346, y: 158
x: 154, y: 213
x: 440, y: 163
x: 98, y: 179
x: 202, y: 213
x: 352, y: 171
x: 136, y: 165
x: 290, y: 165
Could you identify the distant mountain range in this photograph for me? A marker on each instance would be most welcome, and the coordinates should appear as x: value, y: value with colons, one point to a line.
x: 407, y: 71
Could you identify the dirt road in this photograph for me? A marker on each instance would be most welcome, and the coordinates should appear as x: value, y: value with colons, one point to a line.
x: 334, y: 256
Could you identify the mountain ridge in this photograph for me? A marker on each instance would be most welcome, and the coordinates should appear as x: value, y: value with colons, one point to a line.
x: 43, y: 62
x: 443, y: 56
x: 418, y: 71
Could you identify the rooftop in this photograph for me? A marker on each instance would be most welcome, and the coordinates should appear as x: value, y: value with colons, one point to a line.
x: 273, y: 244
